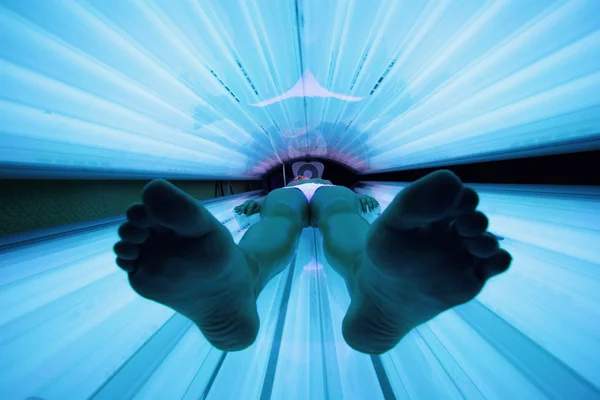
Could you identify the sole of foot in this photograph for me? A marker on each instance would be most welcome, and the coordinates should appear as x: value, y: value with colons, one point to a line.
x: 428, y: 252
x: 178, y: 254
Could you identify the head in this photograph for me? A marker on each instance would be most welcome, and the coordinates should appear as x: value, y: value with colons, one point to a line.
x: 300, y: 178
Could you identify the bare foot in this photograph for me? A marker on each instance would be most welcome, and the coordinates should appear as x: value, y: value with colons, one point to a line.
x: 428, y: 252
x: 178, y: 254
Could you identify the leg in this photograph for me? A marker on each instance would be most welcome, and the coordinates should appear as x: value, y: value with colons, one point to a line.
x: 271, y: 242
x: 426, y: 253
x: 176, y: 253
x: 335, y: 211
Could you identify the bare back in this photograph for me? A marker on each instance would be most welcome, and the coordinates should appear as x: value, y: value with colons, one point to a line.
x: 303, y: 181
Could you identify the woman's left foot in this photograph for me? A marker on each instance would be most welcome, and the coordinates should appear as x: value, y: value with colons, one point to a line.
x: 178, y: 254
x: 428, y: 252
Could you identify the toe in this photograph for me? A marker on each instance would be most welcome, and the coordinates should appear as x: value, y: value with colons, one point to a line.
x: 138, y: 215
x: 429, y: 199
x: 468, y: 201
x: 472, y: 224
x: 126, y: 250
x: 497, y: 264
x: 127, y: 265
x: 133, y: 234
x: 483, y: 246
x: 174, y: 209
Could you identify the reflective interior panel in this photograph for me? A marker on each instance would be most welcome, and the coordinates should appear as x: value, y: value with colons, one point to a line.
x: 212, y: 89
x: 72, y: 328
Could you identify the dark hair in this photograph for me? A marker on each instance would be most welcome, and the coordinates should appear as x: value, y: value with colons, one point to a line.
x: 299, y: 178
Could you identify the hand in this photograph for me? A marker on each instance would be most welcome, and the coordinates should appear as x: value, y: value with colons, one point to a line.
x: 249, y: 207
x: 367, y: 203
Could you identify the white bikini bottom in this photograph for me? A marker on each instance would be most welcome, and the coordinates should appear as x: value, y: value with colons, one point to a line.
x: 308, y: 189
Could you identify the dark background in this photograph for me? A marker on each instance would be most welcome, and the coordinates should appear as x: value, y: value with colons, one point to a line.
x: 31, y: 204
x: 561, y: 169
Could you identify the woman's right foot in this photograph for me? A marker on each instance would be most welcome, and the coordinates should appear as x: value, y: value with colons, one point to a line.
x: 428, y: 252
x: 177, y: 254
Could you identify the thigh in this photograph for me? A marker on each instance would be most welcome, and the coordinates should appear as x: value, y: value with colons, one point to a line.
x: 289, y: 202
x: 332, y: 199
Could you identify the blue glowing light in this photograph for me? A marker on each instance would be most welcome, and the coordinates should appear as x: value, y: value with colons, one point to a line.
x: 72, y: 328
x: 211, y: 89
